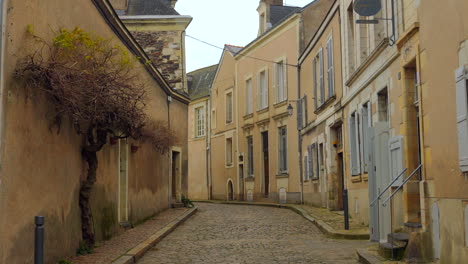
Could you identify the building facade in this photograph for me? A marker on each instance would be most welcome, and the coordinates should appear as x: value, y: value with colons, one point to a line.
x: 41, y: 171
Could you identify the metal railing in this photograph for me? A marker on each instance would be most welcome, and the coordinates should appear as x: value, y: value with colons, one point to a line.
x: 401, y: 185
x: 388, y: 187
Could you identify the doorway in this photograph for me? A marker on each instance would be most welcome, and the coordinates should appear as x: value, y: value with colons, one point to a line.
x: 241, y: 182
x: 266, y: 166
x: 230, y: 191
x: 340, y: 180
x: 175, y: 176
x: 123, y: 181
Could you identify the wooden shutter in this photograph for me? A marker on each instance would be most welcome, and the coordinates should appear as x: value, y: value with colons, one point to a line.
x: 462, y: 117
x: 315, y: 83
x: 353, y: 143
x: 365, y: 121
x: 285, y: 79
x: 299, y: 114
x: 322, y: 85
x: 305, y: 172
x: 310, y: 172
x: 316, y: 158
x: 395, y: 145
x: 330, y: 68
x: 304, y: 110
x: 265, y: 92
x: 259, y: 91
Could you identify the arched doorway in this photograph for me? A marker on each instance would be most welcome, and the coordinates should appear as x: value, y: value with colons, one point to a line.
x: 230, y: 191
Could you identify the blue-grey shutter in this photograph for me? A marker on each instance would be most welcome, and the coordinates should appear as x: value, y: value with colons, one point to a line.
x: 462, y: 117
x: 310, y: 172
x: 304, y: 109
x: 315, y: 83
x: 322, y: 85
x: 300, y: 114
x: 395, y: 145
x: 306, y: 165
x: 316, y: 158
x: 352, y: 145
x: 330, y: 67
x: 365, y: 138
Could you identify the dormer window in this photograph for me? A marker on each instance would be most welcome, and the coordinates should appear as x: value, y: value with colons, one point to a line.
x: 262, y: 23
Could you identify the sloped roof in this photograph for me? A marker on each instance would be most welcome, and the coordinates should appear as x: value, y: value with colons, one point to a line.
x: 233, y: 49
x: 201, y: 81
x: 278, y: 13
x: 148, y: 8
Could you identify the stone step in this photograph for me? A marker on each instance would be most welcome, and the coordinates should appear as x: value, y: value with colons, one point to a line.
x: 398, y: 239
x: 177, y: 205
x: 391, y: 251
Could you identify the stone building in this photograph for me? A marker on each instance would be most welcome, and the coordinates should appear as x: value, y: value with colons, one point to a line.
x: 160, y: 30
x: 41, y: 171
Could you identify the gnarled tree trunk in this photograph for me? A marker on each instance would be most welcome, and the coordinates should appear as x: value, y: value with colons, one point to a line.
x: 89, y: 153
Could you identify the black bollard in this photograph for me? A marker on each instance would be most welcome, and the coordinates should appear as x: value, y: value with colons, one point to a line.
x: 39, y: 240
x: 346, y: 210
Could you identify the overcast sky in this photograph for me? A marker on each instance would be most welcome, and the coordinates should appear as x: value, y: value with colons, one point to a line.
x: 220, y: 22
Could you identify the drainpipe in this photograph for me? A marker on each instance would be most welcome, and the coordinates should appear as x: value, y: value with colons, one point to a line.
x: 208, y: 148
x: 299, y: 133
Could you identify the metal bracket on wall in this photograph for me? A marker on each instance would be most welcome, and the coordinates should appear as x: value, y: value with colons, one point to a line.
x: 392, y: 38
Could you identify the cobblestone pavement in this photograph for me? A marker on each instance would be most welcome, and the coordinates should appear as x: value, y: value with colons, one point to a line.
x: 220, y: 233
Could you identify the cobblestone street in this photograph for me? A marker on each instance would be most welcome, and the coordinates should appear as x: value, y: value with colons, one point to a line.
x: 250, y: 234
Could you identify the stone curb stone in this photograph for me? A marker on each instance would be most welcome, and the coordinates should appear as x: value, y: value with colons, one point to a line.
x: 324, y: 227
x: 134, y: 254
x: 367, y: 258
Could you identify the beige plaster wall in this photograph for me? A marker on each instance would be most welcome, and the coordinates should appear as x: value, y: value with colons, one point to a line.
x: 280, y: 43
x: 41, y: 170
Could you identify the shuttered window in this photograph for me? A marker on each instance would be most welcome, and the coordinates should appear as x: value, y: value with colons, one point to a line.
x: 229, y: 152
x: 229, y: 105
x: 262, y: 96
x: 248, y: 97
x: 330, y: 68
x: 462, y: 117
x: 366, y: 123
x: 306, y: 168
x: 353, y: 132
x: 280, y: 81
x: 322, y: 84
x: 316, y: 102
x: 283, y: 150
x: 310, y: 157
x: 315, y: 162
x: 250, y: 158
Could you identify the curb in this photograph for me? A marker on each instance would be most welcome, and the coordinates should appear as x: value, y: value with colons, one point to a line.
x: 324, y: 227
x: 367, y: 258
x: 134, y: 254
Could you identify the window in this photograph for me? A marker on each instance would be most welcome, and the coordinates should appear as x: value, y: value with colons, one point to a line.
x: 229, y: 107
x: 319, y: 89
x: 262, y: 23
x: 302, y: 112
x: 462, y: 117
x: 283, y: 150
x: 213, y: 119
x: 353, y: 128
x: 199, y: 121
x: 250, y: 159
x: 321, y: 164
x: 382, y: 100
x: 280, y: 81
x: 330, y: 69
x: 248, y: 97
x: 366, y: 123
x: 229, y: 152
x: 262, y: 95
x: 310, y: 162
x: 315, y: 162
x: 306, y: 167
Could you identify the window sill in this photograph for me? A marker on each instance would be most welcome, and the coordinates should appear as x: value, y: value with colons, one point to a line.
x: 282, y: 103
x: 282, y: 175
x: 247, y: 116
x: 314, y: 180
x: 356, y: 178
x: 263, y: 110
x: 228, y: 123
x: 325, y: 104
x: 228, y: 166
x: 365, y: 176
x: 250, y: 178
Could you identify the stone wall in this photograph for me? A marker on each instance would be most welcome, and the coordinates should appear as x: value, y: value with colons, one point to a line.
x: 165, y: 51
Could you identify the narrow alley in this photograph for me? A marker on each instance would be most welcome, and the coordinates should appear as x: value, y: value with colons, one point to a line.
x: 250, y: 234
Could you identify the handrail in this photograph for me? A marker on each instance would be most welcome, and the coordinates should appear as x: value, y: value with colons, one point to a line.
x: 401, y: 186
x: 386, y: 188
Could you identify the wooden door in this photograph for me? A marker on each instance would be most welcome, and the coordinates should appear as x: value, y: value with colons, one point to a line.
x: 266, y: 166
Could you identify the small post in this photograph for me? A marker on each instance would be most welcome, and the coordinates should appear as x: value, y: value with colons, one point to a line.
x: 346, y: 210
x: 39, y: 240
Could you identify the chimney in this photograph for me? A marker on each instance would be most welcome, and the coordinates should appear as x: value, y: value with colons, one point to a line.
x: 273, y: 2
x: 173, y: 3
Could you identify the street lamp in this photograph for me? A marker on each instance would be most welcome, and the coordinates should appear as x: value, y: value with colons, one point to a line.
x: 290, y: 110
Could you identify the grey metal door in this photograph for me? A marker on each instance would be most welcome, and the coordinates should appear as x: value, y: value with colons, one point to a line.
x: 373, y: 192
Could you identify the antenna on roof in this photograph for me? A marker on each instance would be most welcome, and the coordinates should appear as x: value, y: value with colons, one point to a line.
x: 367, y: 7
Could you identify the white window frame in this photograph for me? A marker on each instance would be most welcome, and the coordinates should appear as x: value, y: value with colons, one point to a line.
x: 461, y: 78
x: 229, y: 106
x: 229, y: 154
x: 318, y: 79
x: 262, y: 87
x: 330, y: 67
x: 281, y: 88
x: 282, y: 150
x: 248, y: 96
x: 199, y: 121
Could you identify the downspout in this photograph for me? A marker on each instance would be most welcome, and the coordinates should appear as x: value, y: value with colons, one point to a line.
x: 208, y: 148
x: 299, y: 132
